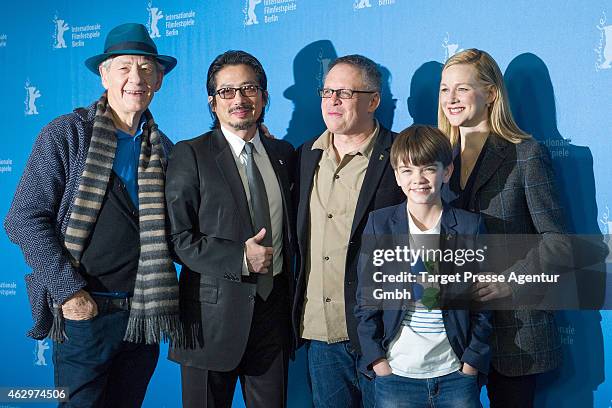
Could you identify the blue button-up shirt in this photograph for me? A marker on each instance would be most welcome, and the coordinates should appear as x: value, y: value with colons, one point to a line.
x: 126, y: 159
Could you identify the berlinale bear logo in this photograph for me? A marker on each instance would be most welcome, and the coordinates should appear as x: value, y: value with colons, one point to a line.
x: 604, y: 48
x: 359, y: 4
x: 155, y: 14
x: 60, y: 28
x: 39, y: 352
x: 250, y: 17
x: 31, y: 96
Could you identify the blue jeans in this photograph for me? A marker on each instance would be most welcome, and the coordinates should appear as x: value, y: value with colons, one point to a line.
x: 335, y: 378
x: 98, y: 367
x: 454, y: 390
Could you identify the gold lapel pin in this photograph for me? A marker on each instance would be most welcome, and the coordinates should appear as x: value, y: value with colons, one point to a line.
x: 381, y: 157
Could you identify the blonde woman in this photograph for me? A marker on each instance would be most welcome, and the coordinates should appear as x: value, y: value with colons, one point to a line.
x: 505, y: 175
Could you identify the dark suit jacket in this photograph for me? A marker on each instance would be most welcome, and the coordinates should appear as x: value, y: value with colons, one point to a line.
x: 210, y: 222
x: 515, y: 192
x: 468, y: 332
x: 379, y: 189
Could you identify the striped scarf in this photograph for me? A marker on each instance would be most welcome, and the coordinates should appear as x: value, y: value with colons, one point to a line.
x: 154, y: 312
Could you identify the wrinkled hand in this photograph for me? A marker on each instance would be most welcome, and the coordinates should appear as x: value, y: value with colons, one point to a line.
x: 80, y: 307
x: 483, y: 292
x: 266, y: 131
x: 468, y: 369
x: 381, y: 367
x: 258, y: 257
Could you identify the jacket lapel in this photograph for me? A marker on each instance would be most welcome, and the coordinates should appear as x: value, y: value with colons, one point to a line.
x: 379, y: 160
x: 400, y: 236
x: 227, y: 167
x: 398, y: 223
x: 448, y: 235
x: 309, y: 161
x: 495, y: 154
x: 281, y: 175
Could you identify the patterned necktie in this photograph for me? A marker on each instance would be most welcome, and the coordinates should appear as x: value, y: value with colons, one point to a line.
x: 260, y: 216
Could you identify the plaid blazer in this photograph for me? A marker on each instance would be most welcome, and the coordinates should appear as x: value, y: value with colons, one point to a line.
x: 39, y: 214
x: 515, y: 192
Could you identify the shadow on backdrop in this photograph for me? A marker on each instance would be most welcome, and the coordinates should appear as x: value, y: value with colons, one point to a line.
x: 309, y: 68
x: 423, y: 99
x: 386, y: 110
x: 532, y: 101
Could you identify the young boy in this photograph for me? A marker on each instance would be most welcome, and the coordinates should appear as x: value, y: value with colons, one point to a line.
x: 420, y: 355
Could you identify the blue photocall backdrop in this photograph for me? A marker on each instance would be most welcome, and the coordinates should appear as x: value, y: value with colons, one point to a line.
x: 556, y: 56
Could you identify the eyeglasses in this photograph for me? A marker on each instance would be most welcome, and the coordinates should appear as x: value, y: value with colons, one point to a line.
x: 341, y: 93
x: 245, y: 90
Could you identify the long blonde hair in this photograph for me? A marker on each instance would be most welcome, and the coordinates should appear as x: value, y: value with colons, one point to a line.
x: 501, y: 121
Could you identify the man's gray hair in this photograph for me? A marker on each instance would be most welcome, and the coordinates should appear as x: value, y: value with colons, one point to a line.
x: 369, y: 69
x: 107, y: 62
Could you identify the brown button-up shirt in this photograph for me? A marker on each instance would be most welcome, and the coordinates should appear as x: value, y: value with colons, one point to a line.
x: 333, y: 200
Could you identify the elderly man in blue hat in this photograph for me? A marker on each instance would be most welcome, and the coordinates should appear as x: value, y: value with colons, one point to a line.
x: 89, y: 215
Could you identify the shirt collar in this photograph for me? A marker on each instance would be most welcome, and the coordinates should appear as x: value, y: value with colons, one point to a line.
x: 124, y: 135
x: 237, y: 143
x: 324, y: 142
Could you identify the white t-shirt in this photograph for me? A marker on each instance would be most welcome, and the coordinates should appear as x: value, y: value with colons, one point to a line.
x: 421, y: 348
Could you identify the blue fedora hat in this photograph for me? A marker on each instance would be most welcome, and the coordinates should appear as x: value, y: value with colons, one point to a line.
x: 129, y: 39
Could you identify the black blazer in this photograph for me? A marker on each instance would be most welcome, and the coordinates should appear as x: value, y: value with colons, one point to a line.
x: 379, y: 190
x: 209, y: 224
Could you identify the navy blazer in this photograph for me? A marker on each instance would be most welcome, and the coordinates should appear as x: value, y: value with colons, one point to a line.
x: 468, y: 332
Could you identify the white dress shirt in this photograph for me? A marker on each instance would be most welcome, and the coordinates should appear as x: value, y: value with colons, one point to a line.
x: 273, y: 191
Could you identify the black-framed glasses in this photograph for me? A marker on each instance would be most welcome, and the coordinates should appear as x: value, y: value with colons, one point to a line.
x: 245, y: 90
x: 341, y: 93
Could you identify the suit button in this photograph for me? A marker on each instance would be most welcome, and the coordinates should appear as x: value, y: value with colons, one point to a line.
x: 330, y: 216
x: 336, y: 177
x: 251, y: 297
x: 349, y: 283
x: 327, y: 299
x: 326, y: 258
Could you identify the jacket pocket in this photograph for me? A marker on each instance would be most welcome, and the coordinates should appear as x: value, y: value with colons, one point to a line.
x: 209, y: 291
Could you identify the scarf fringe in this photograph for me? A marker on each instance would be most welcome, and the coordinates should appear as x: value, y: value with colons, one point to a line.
x: 57, y: 332
x: 192, y: 335
x: 155, y: 329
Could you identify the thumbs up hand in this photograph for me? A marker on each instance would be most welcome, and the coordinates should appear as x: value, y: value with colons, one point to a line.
x: 258, y: 257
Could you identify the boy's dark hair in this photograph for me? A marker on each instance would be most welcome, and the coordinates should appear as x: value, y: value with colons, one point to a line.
x: 233, y: 57
x: 421, y: 145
